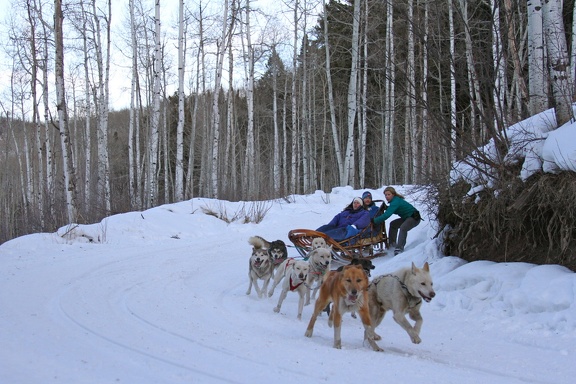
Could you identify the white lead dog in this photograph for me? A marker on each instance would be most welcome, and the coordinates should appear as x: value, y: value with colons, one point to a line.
x: 294, y: 273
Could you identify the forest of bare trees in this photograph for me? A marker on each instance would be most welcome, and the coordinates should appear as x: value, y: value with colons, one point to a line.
x: 257, y: 106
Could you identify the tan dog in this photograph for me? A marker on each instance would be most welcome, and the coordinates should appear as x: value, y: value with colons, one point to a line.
x: 294, y: 273
x: 402, y: 292
x: 348, y: 290
x: 319, y: 260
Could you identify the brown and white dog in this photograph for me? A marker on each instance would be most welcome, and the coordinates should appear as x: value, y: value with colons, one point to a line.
x: 294, y: 273
x: 402, y: 292
x: 260, y: 267
x: 348, y: 290
x: 366, y: 265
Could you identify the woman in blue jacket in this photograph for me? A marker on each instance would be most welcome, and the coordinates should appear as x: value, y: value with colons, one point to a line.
x: 347, y: 223
x: 409, y: 218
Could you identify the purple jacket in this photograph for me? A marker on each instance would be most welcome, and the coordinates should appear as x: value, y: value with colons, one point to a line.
x: 360, y: 218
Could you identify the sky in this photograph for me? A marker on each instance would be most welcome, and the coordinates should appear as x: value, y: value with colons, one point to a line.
x: 120, y: 73
x: 159, y: 296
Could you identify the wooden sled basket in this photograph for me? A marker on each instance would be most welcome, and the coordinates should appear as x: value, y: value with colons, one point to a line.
x: 369, y: 243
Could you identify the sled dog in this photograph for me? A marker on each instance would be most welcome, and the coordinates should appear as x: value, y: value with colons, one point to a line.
x: 260, y: 267
x: 319, y: 242
x: 294, y: 273
x: 348, y: 290
x: 402, y: 292
x: 319, y: 260
x: 276, y: 249
x: 366, y: 265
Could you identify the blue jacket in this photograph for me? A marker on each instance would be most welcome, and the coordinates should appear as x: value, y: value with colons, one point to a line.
x: 372, y: 209
x: 397, y: 206
x: 360, y: 218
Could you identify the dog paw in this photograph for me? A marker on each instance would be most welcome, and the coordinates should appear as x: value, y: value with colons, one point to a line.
x: 338, y: 345
x: 308, y: 333
x: 377, y: 337
x: 276, y: 309
x: 270, y: 293
x: 416, y: 340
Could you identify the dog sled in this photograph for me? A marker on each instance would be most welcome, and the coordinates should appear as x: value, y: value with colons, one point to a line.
x: 371, y: 242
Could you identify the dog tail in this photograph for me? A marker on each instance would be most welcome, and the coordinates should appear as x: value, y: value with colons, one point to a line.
x: 258, y: 242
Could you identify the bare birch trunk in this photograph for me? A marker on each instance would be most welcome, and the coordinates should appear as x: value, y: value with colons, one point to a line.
x: 426, y: 171
x: 155, y: 117
x: 250, y: 180
x: 349, y: 160
x: 364, y: 104
x: 103, y: 64
x: 537, y: 75
x: 453, y: 122
x: 410, y: 139
x: 500, y: 84
x: 337, y: 148
x: 294, y: 128
x: 388, y: 142
x: 67, y: 166
x: 559, y: 66
x: 222, y: 47
x: 48, y: 131
x: 38, y: 187
x: 473, y: 82
x: 179, y: 172
x: 276, y: 166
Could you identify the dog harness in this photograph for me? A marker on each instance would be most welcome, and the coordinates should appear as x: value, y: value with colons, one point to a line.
x: 294, y: 287
x: 412, y: 300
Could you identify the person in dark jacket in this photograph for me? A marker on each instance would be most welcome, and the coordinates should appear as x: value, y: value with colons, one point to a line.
x: 347, y: 223
x: 409, y: 218
x: 369, y: 204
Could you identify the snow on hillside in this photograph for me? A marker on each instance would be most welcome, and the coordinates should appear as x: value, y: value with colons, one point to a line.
x: 159, y: 296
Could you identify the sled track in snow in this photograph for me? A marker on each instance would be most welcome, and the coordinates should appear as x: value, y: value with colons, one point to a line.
x: 119, y: 314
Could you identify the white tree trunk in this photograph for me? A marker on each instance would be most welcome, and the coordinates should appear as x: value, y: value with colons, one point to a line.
x: 294, y: 130
x: 388, y: 142
x: 410, y: 139
x: 337, y: 148
x: 364, y: 106
x: 103, y: 64
x: 222, y: 47
x: 500, y: 83
x: 152, y: 199
x: 424, y: 93
x: 276, y: 166
x: 179, y: 171
x: 249, y: 84
x: 38, y: 187
x: 349, y: 160
x: 65, y: 141
x: 557, y: 49
x: 537, y: 74
x: 473, y: 82
x: 452, y: 83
